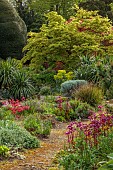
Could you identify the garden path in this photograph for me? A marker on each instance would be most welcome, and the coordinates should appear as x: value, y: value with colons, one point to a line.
x: 40, y: 158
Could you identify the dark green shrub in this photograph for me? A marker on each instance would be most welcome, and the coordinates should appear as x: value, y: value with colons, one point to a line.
x: 12, y: 30
x: 69, y: 86
x: 13, y: 135
x: 91, y: 94
x: 45, y: 90
x: 45, y: 78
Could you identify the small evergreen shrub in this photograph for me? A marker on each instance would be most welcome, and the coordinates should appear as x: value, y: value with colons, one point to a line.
x: 72, y: 109
x: 45, y: 90
x: 36, y: 126
x: 33, y: 124
x: 91, y: 94
x: 12, y: 135
x: 80, y: 110
x: 69, y: 86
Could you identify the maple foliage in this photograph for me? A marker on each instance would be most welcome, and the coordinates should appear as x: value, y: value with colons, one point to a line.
x: 86, y: 33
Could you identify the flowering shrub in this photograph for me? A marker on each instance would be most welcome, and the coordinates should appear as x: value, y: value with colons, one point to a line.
x: 16, y: 107
x: 63, y: 107
x: 89, y: 143
x: 72, y: 109
x: 99, y: 124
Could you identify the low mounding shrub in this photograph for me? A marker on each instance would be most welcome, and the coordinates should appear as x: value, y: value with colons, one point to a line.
x: 80, y: 110
x: 69, y: 86
x: 90, y: 93
x: 12, y: 135
x: 45, y: 90
x: 36, y: 126
x: 73, y: 109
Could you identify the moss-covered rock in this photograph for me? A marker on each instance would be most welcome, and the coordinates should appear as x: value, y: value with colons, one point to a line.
x: 12, y: 31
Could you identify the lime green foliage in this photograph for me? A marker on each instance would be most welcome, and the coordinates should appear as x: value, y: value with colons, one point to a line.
x: 103, y: 6
x: 13, y: 135
x: 62, y: 76
x: 61, y: 40
x: 64, y: 8
x: 68, y: 87
x: 91, y: 94
x: 4, y: 150
x: 6, y: 114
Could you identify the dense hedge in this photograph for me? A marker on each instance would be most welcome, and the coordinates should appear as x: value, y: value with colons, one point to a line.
x: 12, y: 31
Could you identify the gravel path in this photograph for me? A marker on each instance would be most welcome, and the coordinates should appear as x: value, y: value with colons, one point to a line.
x: 40, y: 158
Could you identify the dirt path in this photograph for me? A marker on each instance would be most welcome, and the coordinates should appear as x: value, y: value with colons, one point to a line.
x: 40, y: 158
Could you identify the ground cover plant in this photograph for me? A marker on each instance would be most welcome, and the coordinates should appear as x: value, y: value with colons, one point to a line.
x: 14, y: 136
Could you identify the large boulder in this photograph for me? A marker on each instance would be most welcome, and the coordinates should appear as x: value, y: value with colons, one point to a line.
x: 13, y: 31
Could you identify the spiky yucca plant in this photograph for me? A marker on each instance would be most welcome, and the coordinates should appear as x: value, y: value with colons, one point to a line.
x: 21, y: 85
x: 7, y: 69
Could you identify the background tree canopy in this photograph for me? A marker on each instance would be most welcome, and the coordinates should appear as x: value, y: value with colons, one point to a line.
x: 103, y: 6
x: 61, y: 40
x: 32, y: 11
